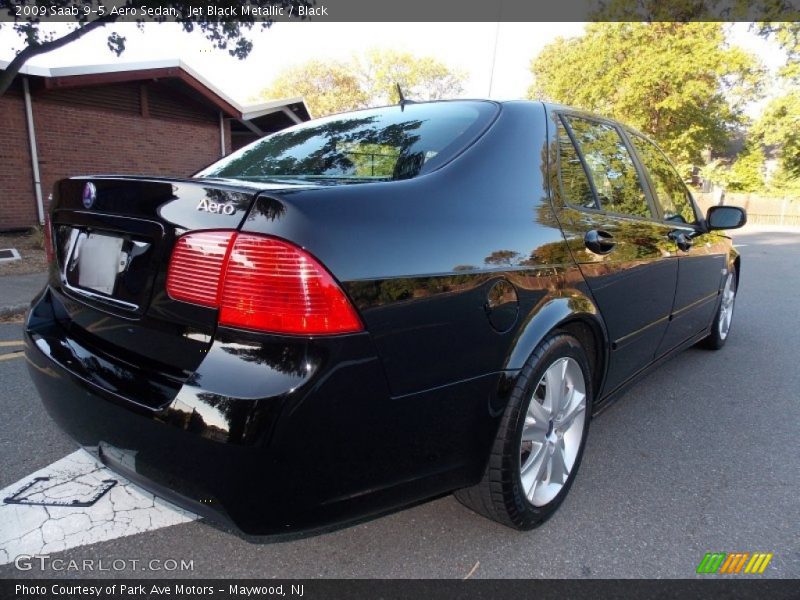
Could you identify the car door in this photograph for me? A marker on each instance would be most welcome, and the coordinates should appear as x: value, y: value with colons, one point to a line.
x: 701, y: 256
x: 624, y: 253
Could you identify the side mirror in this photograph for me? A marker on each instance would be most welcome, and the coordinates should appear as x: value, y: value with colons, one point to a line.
x: 725, y: 217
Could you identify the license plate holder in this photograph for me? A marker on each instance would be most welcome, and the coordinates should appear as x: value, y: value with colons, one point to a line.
x: 97, y: 259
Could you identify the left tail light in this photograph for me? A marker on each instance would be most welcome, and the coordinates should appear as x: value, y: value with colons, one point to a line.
x: 259, y: 282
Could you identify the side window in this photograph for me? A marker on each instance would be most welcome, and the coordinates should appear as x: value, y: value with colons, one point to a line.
x: 671, y: 193
x: 611, y: 167
x: 574, y: 182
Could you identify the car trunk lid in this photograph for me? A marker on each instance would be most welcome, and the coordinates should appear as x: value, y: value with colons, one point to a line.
x: 113, y: 238
x: 112, y: 235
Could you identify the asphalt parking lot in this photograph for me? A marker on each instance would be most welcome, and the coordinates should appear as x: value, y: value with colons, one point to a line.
x: 700, y: 456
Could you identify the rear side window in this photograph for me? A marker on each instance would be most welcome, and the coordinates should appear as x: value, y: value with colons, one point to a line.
x: 611, y: 167
x: 574, y: 182
x: 370, y: 145
x: 671, y: 193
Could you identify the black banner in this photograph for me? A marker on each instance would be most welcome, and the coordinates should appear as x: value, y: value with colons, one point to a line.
x: 396, y: 11
x: 362, y: 589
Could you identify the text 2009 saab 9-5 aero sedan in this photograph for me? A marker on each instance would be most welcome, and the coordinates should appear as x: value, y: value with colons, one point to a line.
x: 375, y: 308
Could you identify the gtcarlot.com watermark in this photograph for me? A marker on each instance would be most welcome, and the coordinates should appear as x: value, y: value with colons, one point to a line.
x: 26, y: 562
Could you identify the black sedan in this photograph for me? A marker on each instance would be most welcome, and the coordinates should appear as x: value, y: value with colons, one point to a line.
x: 375, y: 308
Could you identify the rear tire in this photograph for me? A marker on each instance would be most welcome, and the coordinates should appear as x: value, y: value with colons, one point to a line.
x: 721, y: 327
x: 540, y: 441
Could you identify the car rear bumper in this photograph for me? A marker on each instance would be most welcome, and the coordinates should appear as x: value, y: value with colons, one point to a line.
x: 271, y: 435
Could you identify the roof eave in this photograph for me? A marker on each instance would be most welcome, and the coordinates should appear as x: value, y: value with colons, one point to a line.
x: 87, y: 75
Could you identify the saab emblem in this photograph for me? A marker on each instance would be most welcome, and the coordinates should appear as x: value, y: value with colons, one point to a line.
x: 89, y: 195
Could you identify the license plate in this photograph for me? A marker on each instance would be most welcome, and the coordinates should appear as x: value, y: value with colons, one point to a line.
x: 99, y: 262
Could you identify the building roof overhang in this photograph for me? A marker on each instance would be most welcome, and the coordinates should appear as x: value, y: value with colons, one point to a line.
x: 169, y: 69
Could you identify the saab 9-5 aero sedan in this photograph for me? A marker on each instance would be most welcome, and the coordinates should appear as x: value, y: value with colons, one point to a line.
x: 375, y: 308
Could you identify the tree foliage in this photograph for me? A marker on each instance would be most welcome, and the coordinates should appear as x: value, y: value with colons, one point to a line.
x: 787, y: 36
x: 747, y: 172
x: 777, y: 129
x: 779, y: 126
x: 224, y: 32
x: 677, y: 82
x: 685, y: 11
x: 784, y: 184
x: 420, y: 77
x: 327, y: 86
x: 367, y: 80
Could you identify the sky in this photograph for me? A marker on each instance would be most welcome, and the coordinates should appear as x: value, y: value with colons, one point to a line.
x: 466, y: 46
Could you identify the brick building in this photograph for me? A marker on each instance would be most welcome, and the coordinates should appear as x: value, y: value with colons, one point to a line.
x: 156, y: 118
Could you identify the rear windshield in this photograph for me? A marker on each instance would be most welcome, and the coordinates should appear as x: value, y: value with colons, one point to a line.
x: 380, y: 144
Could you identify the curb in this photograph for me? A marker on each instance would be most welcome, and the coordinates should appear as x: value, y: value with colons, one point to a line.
x: 8, y: 311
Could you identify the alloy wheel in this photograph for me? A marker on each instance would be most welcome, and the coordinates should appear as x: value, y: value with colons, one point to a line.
x: 553, y: 429
x: 726, y: 307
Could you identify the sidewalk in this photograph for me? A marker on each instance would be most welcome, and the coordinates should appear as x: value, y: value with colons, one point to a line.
x: 17, y: 291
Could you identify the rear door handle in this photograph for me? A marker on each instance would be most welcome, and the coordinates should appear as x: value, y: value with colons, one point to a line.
x: 681, y: 239
x: 599, y: 241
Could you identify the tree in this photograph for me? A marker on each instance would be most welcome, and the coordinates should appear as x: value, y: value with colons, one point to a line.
x: 779, y: 126
x: 368, y: 80
x: 328, y: 87
x: 502, y: 257
x: 225, y: 32
x: 784, y: 184
x: 420, y: 78
x: 677, y: 82
x: 747, y: 172
x: 787, y: 36
x: 685, y: 11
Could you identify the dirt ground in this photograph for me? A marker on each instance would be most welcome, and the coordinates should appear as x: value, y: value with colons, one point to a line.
x: 29, y: 246
x: 13, y: 318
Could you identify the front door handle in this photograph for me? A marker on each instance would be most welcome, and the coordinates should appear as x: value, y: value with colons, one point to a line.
x: 682, y: 239
x: 599, y: 242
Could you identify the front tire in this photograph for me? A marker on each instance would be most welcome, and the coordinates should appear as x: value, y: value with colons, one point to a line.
x: 540, y: 441
x: 721, y: 327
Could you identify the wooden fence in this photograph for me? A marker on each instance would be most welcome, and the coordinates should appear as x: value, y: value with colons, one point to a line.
x: 761, y: 210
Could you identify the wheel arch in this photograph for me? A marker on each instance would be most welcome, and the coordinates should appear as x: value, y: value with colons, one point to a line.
x: 590, y: 335
x: 572, y: 312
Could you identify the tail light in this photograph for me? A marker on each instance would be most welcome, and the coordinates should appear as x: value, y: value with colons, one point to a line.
x: 195, y: 269
x: 260, y: 283
x: 47, y: 235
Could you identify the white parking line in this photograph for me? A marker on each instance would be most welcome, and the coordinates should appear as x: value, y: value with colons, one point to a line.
x: 123, y: 510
